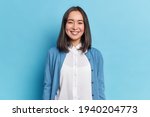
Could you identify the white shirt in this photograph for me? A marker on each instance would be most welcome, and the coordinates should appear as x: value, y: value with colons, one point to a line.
x: 75, y: 76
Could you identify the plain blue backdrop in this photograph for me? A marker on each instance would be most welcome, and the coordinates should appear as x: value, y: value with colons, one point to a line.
x: 120, y: 30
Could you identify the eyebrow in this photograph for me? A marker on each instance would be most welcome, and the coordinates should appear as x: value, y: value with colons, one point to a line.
x: 73, y: 20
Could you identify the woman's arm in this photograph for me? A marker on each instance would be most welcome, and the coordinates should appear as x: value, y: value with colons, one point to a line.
x: 47, y: 80
x: 100, y: 75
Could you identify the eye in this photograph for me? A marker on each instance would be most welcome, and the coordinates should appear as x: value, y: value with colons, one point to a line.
x: 80, y: 22
x: 69, y: 22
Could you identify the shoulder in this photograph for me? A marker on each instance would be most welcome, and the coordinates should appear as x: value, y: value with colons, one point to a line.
x: 95, y: 52
x: 53, y: 50
x: 97, y: 56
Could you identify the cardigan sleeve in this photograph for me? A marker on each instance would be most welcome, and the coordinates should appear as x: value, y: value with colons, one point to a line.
x: 100, y: 75
x: 47, y: 80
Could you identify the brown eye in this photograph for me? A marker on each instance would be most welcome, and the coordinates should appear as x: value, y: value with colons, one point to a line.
x: 80, y: 22
x: 69, y: 22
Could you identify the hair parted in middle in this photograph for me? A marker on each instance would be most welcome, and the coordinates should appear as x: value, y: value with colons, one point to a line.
x: 63, y: 41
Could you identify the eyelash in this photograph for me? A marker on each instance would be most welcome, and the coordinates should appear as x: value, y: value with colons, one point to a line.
x: 80, y: 23
x: 69, y: 22
x: 72, y: 22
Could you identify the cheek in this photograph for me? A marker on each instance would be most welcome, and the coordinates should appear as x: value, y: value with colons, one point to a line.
x: 82, y: 28
x: 67, y: 30
x: 67, y: 27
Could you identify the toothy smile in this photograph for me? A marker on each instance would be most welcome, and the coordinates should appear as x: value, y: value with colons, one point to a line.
x: 74, y: 32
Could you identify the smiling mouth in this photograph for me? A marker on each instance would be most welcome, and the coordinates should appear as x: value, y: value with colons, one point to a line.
x: 74, y: 32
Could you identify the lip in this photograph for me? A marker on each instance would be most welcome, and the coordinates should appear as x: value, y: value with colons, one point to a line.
x: 74, y: 32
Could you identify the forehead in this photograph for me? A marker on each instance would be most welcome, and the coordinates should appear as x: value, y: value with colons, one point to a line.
x: 75, y: 15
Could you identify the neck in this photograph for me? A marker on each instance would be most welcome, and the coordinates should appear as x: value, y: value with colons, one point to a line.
x: 75, y: 43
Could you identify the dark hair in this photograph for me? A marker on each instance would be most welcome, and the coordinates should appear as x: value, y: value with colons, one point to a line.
x: 63, y: 40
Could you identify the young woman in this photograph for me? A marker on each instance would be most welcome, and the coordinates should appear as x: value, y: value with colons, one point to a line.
x: 74, y: 70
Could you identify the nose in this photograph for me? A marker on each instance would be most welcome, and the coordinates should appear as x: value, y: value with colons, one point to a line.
x: 75, y: 26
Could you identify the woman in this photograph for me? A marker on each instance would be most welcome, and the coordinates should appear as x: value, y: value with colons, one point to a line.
x: 74, y: 70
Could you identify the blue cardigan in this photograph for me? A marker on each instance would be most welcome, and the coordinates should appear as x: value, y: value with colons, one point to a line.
x: 53, y: 67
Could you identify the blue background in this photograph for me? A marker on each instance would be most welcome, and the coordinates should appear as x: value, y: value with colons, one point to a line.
x: 120, y: 30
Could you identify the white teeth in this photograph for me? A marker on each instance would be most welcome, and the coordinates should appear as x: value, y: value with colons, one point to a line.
x: 74, y: 33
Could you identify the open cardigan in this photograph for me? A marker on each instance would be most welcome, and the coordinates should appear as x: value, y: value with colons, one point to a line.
x: 52, y: 73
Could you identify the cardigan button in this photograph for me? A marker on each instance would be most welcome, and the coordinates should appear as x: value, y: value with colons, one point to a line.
x: 92, y: 95
x: 92, y: 70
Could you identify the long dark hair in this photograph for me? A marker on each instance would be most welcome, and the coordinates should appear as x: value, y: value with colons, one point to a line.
x: 63, y: 40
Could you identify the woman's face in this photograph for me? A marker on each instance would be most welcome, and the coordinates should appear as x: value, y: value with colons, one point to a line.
x: 75, y: 27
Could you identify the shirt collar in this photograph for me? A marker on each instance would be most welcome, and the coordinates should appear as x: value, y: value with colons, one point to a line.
x: 75, y: 47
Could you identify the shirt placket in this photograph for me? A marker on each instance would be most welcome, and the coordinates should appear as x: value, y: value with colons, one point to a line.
x: 75, y: 96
